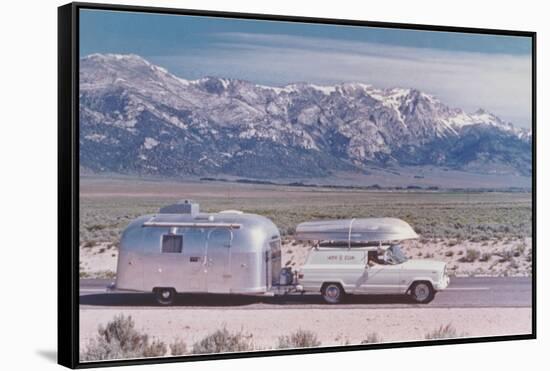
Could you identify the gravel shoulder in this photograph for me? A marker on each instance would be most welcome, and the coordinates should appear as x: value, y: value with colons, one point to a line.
x: 332, y: 326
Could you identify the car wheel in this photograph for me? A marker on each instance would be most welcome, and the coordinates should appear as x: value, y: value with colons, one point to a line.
x: 333, y: 293
x: 165, y: 295
x: 422, y: 292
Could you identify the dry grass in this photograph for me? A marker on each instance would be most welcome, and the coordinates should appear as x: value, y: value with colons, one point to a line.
x: 299, y: 339
x: 452, y: 215
x: 222, y: 341
x: 498, y: 221
x: 372, y: 338
x: 178, y: 347
x: 444, y: 332
x: 471, y: 256
x: 119, y: 340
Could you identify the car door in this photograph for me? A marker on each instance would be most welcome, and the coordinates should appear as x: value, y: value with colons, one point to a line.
x: 380, y: 279
x: 218, y: 260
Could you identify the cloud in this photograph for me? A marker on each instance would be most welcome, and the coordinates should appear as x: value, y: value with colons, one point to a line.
x: 500, y: 83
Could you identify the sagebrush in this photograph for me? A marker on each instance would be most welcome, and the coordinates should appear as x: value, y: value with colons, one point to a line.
x: 119, y: 339
x: 454, y: 215
x: 178, y: 347
x: 223, y: 341
x: 444, y: 332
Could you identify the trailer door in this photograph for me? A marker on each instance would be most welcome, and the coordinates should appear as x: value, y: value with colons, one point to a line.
x: 276, y: 263
x: 194, y: 268
x: 218, y: 260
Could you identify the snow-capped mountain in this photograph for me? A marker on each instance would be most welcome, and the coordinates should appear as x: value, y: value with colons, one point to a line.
x: 137, y: 118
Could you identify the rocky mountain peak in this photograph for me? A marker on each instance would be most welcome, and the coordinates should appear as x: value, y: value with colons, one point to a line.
x: 137, y: 117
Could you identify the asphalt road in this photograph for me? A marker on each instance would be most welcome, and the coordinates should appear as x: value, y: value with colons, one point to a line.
x: 467, y: 292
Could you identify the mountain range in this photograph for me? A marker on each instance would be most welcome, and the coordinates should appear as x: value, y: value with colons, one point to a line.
x: 137, y: 118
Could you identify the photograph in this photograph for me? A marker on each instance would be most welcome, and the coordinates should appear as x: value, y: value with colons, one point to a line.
x: 251, y: 184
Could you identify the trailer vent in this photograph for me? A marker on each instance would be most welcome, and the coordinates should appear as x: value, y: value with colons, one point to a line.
x: 182, y: 207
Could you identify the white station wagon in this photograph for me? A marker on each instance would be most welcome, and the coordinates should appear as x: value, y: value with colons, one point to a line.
x: 363, y: 256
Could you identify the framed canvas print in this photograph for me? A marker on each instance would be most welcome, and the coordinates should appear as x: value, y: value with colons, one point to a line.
x: 239, y: 185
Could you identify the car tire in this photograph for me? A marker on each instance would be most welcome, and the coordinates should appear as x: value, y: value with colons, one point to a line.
x: 333, y: 293
x: 422, y: 292
x: 165, y: 295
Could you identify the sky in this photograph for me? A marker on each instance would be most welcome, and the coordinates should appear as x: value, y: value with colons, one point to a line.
x: 469, y: 71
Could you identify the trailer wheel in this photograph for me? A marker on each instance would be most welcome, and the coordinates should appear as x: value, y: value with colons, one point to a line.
x: 165, y: 295
x: 333, y: 293
x: 422, y: 292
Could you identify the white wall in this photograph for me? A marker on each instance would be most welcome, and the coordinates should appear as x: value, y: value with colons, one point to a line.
x: 28, y: 168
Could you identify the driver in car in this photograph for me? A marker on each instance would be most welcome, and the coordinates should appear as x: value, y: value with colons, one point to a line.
x: 372, y: 258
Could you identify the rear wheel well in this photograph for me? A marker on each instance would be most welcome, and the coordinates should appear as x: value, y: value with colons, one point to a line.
x: 165, y: 295
x: 155, y: 289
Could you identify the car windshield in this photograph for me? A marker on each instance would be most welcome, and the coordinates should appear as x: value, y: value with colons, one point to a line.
x: 397, y: 254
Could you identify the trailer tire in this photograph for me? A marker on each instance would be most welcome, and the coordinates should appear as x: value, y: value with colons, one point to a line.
x: 165, y: 295
x: 422, y: 292
x: 332, y: 292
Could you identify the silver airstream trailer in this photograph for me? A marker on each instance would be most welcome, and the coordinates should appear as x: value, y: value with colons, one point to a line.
x: 363, y: 256
x: 181, y: 250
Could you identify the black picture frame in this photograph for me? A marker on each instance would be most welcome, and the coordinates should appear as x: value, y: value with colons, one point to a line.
x: 68, y: 182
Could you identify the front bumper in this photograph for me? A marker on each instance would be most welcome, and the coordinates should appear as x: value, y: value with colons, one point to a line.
x: 442, y: 284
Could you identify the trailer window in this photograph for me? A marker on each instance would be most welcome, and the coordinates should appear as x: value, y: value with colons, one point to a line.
x: 172, y: 243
